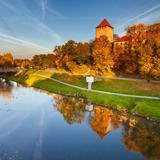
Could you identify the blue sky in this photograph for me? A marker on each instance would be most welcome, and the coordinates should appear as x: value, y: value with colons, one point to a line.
x: 29, y: 27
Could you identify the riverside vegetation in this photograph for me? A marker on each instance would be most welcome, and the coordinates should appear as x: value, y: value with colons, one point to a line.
x: 139, y: 57
x: 143, y: 107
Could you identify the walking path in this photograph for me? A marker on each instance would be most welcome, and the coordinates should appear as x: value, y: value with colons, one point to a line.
x: 109, y: 77
x: 128, y: 79
x: 97, y: 91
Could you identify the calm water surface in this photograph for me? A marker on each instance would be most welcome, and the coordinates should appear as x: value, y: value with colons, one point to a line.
x: 36, y: 125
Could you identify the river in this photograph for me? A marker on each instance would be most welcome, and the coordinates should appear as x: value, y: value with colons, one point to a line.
x: 38, y: 125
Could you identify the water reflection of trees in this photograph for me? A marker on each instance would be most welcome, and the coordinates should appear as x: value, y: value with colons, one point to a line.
x: 6, y: 90
x: 143, y: 139
x: 101, y: 121
x: 137, y: 135
x: 72, y: 110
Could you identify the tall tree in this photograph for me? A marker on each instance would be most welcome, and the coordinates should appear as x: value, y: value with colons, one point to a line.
x: 102, y: 55
x: 149, y: 58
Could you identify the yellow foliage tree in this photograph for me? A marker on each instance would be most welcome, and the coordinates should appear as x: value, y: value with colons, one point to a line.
x: 102, y: 56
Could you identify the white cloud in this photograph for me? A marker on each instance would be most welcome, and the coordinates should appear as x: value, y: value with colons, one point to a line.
x: 37, y: 36
x: 148, y: 16
x: 43, y: 7
x: 21, y: 42
x: 151, y: 18
x: 46, y: 9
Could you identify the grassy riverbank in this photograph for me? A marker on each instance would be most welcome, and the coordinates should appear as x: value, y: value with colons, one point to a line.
x: 143, y: 107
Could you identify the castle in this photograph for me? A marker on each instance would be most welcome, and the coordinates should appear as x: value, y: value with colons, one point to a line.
x: 106, y: 29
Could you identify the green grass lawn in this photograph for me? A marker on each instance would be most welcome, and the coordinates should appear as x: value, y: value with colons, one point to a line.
x: 113, y: 85
x: 143, y: 107
x: 128, y: 87
x: 76, y: 80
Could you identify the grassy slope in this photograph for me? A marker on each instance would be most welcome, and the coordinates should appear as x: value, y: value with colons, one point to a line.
x: 119, y: 86
x: 129, y: 87
x: 143, y: 107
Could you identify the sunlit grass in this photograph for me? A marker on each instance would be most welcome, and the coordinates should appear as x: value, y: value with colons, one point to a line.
x: 142, y: 88
x: 144, y: 107
x: 128, y: 87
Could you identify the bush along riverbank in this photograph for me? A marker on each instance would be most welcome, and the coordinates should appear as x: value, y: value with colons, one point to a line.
x: 147, y: 108
x: 6, y: 75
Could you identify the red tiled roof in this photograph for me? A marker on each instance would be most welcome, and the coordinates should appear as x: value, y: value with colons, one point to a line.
x: 121, y: 39
x: 104, y: 23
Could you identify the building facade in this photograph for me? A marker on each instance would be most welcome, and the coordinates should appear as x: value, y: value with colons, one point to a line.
x: 122, y: 42
x: 105, y: 29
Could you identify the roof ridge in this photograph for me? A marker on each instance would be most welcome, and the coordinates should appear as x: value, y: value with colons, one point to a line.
x: 123, y: 38
x: 104, y: 23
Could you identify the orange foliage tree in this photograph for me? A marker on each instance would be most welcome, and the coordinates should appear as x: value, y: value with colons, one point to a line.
x: 102, y: 55
x: 6, y: 60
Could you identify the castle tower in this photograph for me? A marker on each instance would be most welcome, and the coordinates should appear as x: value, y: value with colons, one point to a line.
x: 105, y: 29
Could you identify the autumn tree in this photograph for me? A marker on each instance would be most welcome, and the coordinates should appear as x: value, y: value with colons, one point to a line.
x: 43, y: 61
x: 149, y: 58
x: 71, y: 54
x: 1, y: 61
x: 140, y: 54
x: 137, y: 29
x: 102, y: 55
x: 154, y: 28
x: 6, y: 60
x: 145, y: 60
x: 119, y: 62
x: 26, y: 63
x: 131, y: 55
